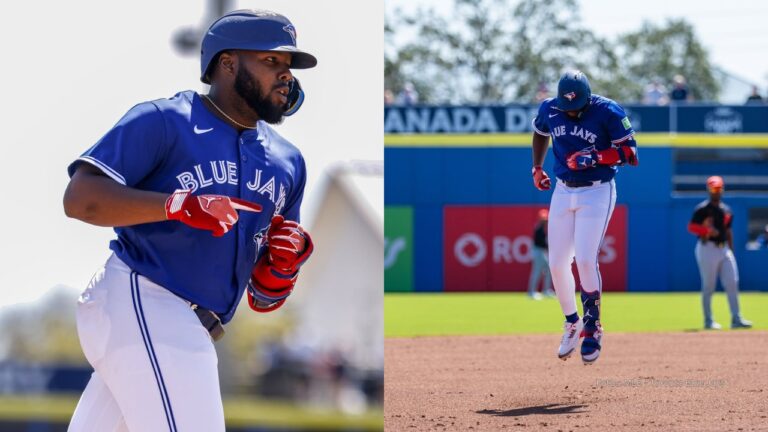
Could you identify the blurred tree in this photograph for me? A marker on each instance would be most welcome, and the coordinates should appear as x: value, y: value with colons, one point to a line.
x: 489, y: 50
x: 240, y: 351
x: 663, y: 51
x: 44, y: 331
x: 548, y: 39
x: 401, y: 65
x: 495, y: 51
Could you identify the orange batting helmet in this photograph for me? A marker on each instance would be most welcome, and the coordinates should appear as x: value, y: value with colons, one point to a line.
x: 715, y: 182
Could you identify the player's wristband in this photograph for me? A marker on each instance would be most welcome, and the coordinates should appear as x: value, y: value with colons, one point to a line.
x: 610, y: 156
x: 615, y: 156
x: 264, y: 300
x: 269, y: 287
x: 698, y: 229
x: 266, y: 295
x: 262, y: 303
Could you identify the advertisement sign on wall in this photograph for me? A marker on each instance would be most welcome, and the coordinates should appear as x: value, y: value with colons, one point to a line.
x: 398, y: 249
x: 488, y: 248
x: 516, y: 118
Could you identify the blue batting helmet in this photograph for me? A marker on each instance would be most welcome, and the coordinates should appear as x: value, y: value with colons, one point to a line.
x: 573, y: 92
x: 254, y: 30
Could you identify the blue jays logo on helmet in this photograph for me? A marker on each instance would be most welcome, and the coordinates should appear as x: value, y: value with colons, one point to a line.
x: 573, y: 91
x: 291, y: 30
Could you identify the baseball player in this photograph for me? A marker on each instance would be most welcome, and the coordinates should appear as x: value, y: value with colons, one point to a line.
x: 711, y: 222
x: 205, y: 198
x: 540, y: 261
x: 762, y: 239
x: 591, y: 137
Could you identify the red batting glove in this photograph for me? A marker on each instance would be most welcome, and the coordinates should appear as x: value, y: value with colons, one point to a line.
x: 274, y: 275
x: 289, y: 245
x: 540, y: 178
x: 215, y: 213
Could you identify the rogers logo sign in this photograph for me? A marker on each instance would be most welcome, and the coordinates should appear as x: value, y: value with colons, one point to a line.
x: 490, y: 248
x: 471, y: 250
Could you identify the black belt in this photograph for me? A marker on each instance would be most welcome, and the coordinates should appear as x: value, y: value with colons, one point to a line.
x: 210, y: 321
x: 578, y: 184
x: 719, y: 244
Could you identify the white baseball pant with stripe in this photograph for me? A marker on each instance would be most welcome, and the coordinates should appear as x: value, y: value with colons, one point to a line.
x: 578, y: 219
x: 717, y: 261
x: 155, y: 365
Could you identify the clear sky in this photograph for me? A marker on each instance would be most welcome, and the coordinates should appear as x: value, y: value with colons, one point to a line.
x: 734, y: 32
x: 72, y: 69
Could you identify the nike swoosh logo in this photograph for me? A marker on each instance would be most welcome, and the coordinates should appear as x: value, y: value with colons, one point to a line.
x: 201, y: 131
x: 552, y: 115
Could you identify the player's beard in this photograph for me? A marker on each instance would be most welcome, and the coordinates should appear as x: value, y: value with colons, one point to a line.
x: 246, y: 88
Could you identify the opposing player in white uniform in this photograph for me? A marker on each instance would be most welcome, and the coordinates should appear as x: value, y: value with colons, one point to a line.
x: 591, y: 136
x: 205, y: 200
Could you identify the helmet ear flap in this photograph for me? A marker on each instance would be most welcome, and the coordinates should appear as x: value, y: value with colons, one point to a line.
x: 212, y: 66
x: 295, y: 98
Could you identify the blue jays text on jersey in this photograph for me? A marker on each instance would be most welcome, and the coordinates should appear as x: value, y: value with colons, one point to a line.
x: 602, y: 125
x: 177, y: 143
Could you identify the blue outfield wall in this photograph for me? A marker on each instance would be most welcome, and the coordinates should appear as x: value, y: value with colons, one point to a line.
x: 660, y: 250
x: 428, y: 172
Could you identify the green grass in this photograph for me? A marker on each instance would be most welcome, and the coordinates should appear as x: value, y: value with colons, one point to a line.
x: 239, y: 412
x: 427, y: 314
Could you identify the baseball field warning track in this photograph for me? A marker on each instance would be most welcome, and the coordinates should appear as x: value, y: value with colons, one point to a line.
x: 683, y: 381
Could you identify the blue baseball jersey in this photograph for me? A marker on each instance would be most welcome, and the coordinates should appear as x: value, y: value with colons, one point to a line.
x: 176, y: 143
x: 601, y: 126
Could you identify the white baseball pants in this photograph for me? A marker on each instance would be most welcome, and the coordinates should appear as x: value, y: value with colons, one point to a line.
x: 717, y: 261
x: 578, y: 219
x: 155, y: 365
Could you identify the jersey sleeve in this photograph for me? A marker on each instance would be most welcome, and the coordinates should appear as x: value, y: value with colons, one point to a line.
x: 620, y: 130
x: 540, y: 125
x: 292, y: 210
x: 699, y: 215
x: 131, y: 149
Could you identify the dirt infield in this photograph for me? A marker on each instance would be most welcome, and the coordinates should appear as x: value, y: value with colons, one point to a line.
x: 697, y: 381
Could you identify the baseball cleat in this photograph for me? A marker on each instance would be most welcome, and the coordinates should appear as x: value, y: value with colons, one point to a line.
x: 592, y: 344
x: 741, y: 323
x: 571, y: 336
x: 711, y: 325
